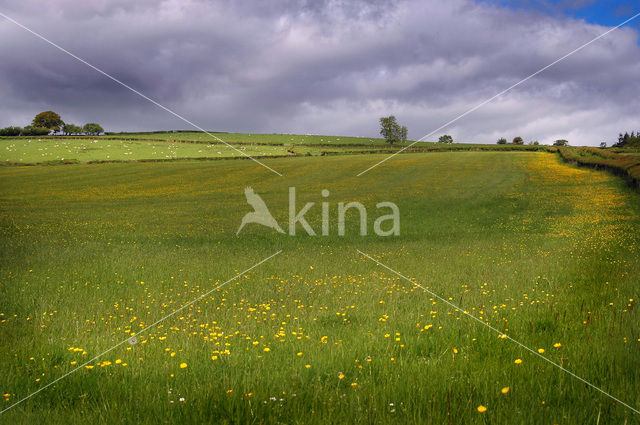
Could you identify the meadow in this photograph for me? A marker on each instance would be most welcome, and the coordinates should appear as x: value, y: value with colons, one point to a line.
x: 248, y: 138
x: 182, y: 145
x: 546, y: 252
x: 52, y: 150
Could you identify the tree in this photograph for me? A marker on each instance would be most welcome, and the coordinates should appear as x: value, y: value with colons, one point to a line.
x: 628, y: 140
x: 560, y: 142
x: 92, y: 129
x: 34, y: 131
x: 391, y: 131
x: 10, y: 131
x: 502, y: 141
x: 445, y: 138
x: 403, y: 133
x: 518, y: 141
x: 48, y: 119
x: 603, y: 145
x: 69, y: 129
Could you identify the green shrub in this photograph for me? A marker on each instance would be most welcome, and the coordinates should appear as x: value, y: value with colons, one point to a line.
x: 34, y: 131
x: 10, y: 131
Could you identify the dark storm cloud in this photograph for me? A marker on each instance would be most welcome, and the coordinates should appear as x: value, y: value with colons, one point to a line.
x: 319, y: 67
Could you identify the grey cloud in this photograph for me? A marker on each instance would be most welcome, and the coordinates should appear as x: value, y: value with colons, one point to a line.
x: 320, y: 67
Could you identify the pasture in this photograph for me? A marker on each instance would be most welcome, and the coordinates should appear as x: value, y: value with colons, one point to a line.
x: 170, y: 146
x: 52, y: 150
x: 247, y: 138
x: 92, y: 254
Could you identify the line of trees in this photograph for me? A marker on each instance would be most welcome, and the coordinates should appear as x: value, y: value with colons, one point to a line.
x: 520, y: 141
x: 627, y: 140
x: 516, y: 141
x: 47, y: 122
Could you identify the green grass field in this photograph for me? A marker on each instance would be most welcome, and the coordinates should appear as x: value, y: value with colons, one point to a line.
x: 244, y: 138
x: 546, y: 252
x: 25, y: 150
x: 129, y: 147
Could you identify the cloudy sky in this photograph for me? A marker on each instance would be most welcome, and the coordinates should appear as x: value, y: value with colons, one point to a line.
x: 327, y: 67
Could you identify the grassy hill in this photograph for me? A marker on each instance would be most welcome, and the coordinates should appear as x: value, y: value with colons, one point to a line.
x: 165, y: 146
x: 246, y: 138
x: 160, y: 146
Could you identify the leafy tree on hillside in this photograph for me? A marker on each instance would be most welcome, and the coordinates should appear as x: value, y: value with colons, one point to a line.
x: 92, y: 129
x: 502, y: 141
x: 69, y: 129
x: 391, y: 131
x: 10, y: 131
x: 561, y: 142
x: 48, y: 119
x: 445, y: 138
x: 518, y: 141
x: 603, y: 145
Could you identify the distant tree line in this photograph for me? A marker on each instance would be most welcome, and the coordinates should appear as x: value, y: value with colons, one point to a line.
x: 520, y: 141
x: 50, y: 122
x: 627, y: 140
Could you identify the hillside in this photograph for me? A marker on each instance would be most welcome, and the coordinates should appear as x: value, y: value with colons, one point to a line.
x: 164, y: 146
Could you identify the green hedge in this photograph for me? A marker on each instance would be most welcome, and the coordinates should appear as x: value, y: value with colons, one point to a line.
x: 624, y: 165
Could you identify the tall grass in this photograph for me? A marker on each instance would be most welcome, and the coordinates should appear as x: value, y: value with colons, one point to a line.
x: 543, y: 251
